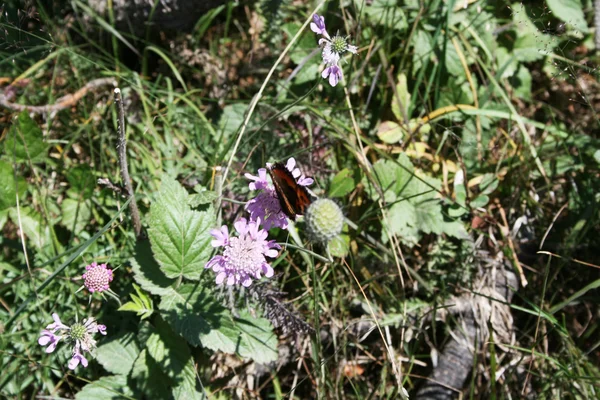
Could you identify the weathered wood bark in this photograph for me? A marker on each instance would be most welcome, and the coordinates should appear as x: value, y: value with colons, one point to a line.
x: 456, y: 360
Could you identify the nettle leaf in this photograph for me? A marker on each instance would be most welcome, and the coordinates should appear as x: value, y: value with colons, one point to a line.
x: 148, y: 379
x: 147, y: 273
x: 569, y: 11
x: 257, y: 339
x: 342, y: 183
x: 174, y: 358
x: 195, y: 315
x: 179, y: 236
x: 106, y: 388
x: 25, y: 140
x: 118, y: 355
x: 202, y: 196
x: 8, y: 189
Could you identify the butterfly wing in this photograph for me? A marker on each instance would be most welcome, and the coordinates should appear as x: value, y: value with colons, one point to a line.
x: 293, y: 198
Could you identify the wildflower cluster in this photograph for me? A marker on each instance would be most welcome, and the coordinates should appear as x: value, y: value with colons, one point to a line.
x: 333, y: 49
x: 80, y: 334
x: 244, y: 255
x: 96, y: 278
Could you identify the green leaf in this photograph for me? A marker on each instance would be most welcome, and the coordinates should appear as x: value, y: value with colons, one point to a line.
x: 342, y: 183
x: 173, y: 357
x: 82, y: 180
x: 479, y: 201
x: 202, y: 196
x: 257, y: 339
x: 383, y: 12
x: 34, y: 227
x: 402, y: 91
x: 303, y: 46
x: 113, y: 387
x: 118, y: 355
x: 530, y: 44
x: 569, y: 11
x: 25, y: 140
x: 339, y: 246
x: 150, y: 381
x: 8, y: 189
x: 141, y: 304
x: 75, y: 214
x: 196, y: 316
x: 147, y: 273
x: 232, y: 118
x: 423, y: 49
x: 179, y: 236
x: 390, y: 132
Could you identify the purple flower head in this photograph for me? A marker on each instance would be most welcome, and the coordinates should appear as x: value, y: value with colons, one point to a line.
x: 260, y: 181
x: 97, y: 277
x: 76, y: 359
x: 50, y: 339
x: 80, y: 334
x: 244, y: 255
x: 318, y: 25
x: 265, y: 206
x: 334, y: 73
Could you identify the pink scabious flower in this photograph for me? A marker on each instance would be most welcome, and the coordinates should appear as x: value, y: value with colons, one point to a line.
x: 97, y: 277
x: 80, y: 334
x: 333, y: 49
x: 265, y: 206
x: 244, y: 255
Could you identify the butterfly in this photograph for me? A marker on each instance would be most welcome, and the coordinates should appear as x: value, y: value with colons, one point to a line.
x: 293, y: 197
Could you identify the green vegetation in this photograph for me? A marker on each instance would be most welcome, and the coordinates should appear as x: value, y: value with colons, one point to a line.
x: 460, y: 143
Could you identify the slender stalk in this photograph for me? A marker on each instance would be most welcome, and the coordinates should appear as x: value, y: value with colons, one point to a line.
x: 122, y: 152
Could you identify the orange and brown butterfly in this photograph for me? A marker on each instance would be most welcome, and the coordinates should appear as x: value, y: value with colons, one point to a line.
x: 293, y: 197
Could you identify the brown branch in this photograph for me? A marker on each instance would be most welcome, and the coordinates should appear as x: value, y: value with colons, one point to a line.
x: 65, y: 102
x: 122, y: 152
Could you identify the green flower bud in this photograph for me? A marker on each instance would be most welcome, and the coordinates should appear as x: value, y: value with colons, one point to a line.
x: 324, y: 220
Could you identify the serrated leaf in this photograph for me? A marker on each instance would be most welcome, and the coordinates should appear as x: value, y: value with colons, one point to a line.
x: 173, y: 357
x: 112, y: 387
x: 179, y: 236
x: 25, y: 140
x: 118, y: 355
x: 8, y: 189
x: 147, y: 273
x: 342, y: 183
x: 75, y: 214
x: 197, y: 317
x: 257, y: 339
x: 204, y: 197
x: 404, y: 98
x: 148, y: 379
